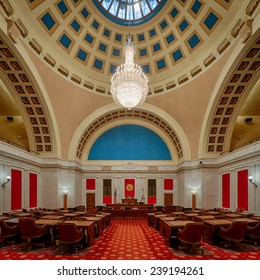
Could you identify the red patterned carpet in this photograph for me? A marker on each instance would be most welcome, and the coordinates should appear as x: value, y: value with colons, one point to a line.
x: 128, y: 240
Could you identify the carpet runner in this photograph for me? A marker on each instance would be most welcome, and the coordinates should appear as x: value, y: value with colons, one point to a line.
x: 128, y: 240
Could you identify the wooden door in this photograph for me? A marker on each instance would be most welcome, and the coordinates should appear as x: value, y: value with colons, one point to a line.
x: 168, y: 199
x: 90, y: 201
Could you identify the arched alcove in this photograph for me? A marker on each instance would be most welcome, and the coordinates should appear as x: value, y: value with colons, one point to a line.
x: 129, y: 142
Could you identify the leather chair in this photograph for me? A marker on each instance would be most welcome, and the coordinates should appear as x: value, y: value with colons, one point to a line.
x: 70, y: 237
x: 8, y: 233
x: 253, y: 234
x: 233, y: 235
x: 190, y: 237
x: 34, y: 234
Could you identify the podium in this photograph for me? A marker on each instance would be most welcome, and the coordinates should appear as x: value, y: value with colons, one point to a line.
x: 129, y: 200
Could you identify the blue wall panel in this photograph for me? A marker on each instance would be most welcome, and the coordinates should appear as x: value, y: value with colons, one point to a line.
x: 129, y: 142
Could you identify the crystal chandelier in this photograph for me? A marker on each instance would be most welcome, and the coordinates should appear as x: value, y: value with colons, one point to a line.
x: 129, y: 85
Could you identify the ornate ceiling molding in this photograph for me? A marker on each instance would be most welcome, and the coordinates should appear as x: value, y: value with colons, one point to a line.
x: 166, y: 51
x: 28, y: 97
x: 231, y: 98
x: 137, y: 114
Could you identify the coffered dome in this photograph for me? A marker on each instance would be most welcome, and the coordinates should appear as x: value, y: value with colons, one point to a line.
x: 83, y: 40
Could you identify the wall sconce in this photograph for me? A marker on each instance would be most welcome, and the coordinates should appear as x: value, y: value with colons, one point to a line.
x: 250, y: 178
x: 65, y: 199
x: 193, y: 199
x: 8, y: 178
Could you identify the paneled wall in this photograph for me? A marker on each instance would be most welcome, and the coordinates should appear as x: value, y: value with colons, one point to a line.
x: 214, y: 183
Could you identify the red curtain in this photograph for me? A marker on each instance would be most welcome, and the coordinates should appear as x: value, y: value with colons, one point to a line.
x: 90, y: 184
x: 151, y: 199
x: 226, y: 190
x: 129, y: 187
x: 107, y: 199
x: 242, y: 189
x: 33, y: 190
x: 16, y: 189
x: 168, y: 184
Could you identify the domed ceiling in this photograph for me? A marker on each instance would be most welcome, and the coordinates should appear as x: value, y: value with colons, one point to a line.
x: 129, y: 12
x: 83, y: 40
x: 176, y: 41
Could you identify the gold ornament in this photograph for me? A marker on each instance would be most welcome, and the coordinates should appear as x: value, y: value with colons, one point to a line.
x: 129, y: 187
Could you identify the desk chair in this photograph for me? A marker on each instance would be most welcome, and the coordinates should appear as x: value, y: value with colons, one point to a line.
x: 8, y: 234
x: 70, y: 237
x: 233, y: 235
x: 34, y: 234
x: 190, y: 237
x: 253, y: 234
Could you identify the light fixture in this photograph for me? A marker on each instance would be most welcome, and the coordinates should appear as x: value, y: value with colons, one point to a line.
x: 65, y: 199
x: 8, y: 178
x: 250, y: 178
x: 129, y: 85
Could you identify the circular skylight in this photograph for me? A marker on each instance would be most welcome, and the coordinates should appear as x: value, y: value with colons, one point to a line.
x: 126, y: 12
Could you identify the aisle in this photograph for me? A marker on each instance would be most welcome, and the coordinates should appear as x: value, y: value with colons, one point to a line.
x: 125, y: 240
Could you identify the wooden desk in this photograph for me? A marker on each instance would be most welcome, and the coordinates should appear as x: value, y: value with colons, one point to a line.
x: 11, y: 213
x: 190, y: 215
x: 49, y: 213
x: 4, y: 218
x: 149, y: 219
x: 257, y: 218
x: 108, y: 217
x: 246, y: 214
x: 211, y: 228
x: 129, y: 200
x: 171, y: 228
x: 104, y: 219
x: 12, y: 221
x: 53, y: 217
x: 250, y: 222
x: 51, y: 225
x: 88, y: 227
x: 140, y: 213
x: 63, y: 211
x: 162, y: 221
x: 81, y: 213
x: 155, y: 220
x: 232, y: 216
x: 23, y: 214
x: 203, y: 218
x: 71, y: 215
x: 43, y: 222
x: 179, y: 213
x: 98, y: 224
x: 214, y: 213
x: 196, y: 211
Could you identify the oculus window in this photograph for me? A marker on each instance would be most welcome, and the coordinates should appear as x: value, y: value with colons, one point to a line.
x: 126, y: 12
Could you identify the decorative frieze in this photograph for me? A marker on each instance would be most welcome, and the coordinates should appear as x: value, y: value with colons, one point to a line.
x: 12, y: 31
x: 8, y: 9
x: 246, y: 31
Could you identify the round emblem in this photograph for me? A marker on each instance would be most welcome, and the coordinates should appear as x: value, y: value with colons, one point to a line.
x: 129, y: 187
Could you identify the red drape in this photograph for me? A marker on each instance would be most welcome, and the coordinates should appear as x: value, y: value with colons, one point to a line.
x: 168, y: 184
x: 242, y: 189
x: 226, y: 190
x: 129, y: 187
x: 90, y: 184
x: 32, y: 190
x: 151, y: 199
x: 107, y: 199
x: 16, y: 189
